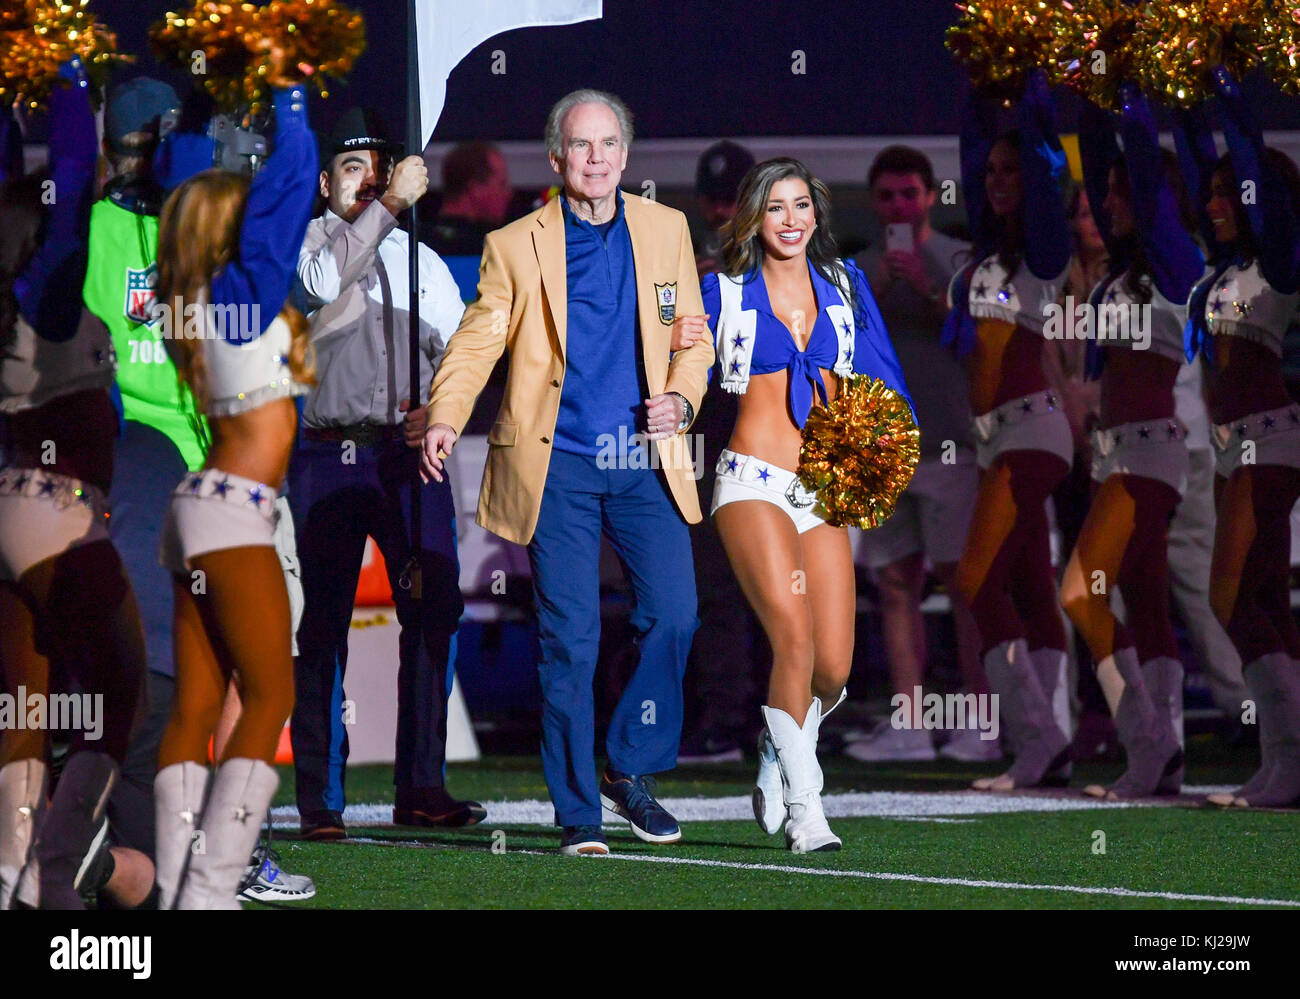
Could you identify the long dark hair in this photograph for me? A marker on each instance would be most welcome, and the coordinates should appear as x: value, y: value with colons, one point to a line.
x: 1009, y: 231
x: 742, y: 246
x: 23, y: 213
x: 1138, y: 279
x: 1280, y: 165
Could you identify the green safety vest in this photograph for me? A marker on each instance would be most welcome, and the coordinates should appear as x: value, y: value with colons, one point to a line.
x: 121, y: 276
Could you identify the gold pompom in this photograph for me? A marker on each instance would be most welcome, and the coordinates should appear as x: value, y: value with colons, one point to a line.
x: 38, y: 36
x: 1002, y: 42
x: 1279, y: 46
x: 231, y: 43
x: 859, y: 453
x: 1104, y: 44
x: 1193, y: 37
x: 215, y: 42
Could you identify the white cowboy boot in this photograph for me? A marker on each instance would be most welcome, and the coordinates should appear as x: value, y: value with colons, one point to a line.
x: 769, y: 794
x: 1040, y: 745
x: 1274, y: 680
x: 241, y: 795
x: 806, y: 830
x: 22, y: 792
x: 1146, y: 732
x: 178, y: 804
x: 66, y: 831
x: 1164, y: 679
x: 1052, y: 668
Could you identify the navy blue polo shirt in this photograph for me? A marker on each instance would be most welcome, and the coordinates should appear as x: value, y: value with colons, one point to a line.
x: 602, y: 387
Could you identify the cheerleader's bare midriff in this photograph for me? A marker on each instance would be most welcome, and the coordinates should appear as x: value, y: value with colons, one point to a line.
x: 764, y: 427
x: 1006, y: 362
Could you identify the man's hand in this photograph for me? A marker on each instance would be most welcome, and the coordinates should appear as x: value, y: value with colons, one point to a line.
x: 439, y: 439
x: 409, y: 182
x: 416, y: 421
x: 663, y: 415
x: 907, y: 265
x: 688, y: 331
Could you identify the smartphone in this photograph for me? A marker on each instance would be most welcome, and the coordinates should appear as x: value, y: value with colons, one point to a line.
x: 899, y: 237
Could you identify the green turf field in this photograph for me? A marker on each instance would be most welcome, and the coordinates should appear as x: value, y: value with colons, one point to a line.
x: 1027, y: 859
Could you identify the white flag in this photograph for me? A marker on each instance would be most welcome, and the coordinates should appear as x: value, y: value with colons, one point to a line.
x: 446, y: 31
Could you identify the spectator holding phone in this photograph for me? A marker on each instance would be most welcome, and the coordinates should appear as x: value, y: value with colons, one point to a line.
x: 910, y: 273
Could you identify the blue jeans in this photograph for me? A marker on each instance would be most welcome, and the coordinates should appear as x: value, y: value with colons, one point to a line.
x: 632, y: 507
x: 335, y: 505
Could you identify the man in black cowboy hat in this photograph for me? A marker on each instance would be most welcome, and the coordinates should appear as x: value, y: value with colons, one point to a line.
x: 352, y: 473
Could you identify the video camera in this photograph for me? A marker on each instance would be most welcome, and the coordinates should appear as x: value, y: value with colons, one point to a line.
x: 239, y: 147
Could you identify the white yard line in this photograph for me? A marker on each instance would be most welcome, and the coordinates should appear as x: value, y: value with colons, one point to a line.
x: 879, y: 876
x: 915, y: 806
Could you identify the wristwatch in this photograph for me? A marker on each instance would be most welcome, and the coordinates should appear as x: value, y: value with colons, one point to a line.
x: 688, y: 412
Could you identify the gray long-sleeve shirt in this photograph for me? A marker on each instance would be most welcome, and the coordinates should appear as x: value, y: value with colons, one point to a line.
x: 356, y: 287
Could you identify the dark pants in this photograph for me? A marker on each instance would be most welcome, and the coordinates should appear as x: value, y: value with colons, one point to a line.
x: 335, y: 505
x: 633, y: 509
x: 146, y: 468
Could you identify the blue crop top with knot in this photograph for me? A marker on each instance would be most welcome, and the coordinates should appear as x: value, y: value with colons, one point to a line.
x: 848, y: 336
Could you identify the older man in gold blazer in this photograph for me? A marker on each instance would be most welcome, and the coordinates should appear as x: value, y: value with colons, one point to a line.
x: 584, y: 293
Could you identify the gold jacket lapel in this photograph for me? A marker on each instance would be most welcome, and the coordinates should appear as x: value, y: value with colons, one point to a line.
x: 655, y: 336
x: 548, y: 243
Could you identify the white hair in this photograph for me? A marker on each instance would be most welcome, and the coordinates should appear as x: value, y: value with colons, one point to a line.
x: 555, y: 120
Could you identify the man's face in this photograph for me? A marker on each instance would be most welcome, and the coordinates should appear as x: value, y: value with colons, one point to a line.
x: 353, y: 181
x: 593, y: 154
x: 901, y: 198
x: 716, y: 212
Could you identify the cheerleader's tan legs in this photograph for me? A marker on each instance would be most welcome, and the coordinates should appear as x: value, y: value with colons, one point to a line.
x: 1250, y: 595
x: 238, y: 622
x: 22, y: 750
x: 796, y: 585
x: 1124, y: 541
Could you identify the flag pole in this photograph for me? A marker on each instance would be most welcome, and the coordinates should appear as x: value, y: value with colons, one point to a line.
x: 414, y: 146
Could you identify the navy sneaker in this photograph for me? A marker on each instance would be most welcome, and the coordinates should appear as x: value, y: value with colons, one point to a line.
x: 583, y: 841
x: 631, y: 797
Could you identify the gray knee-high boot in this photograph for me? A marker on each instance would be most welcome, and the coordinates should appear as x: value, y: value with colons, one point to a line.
x: 1164, y: 680
x: 1267, y: 728
x: 66, y: 831
x: 1274, y: 682
x: 22, y: 793
x: 178, y: 792
x: 1150, y: 746
x: 241, y: 795
x: 1040, y: 744
x: 1052, y: 668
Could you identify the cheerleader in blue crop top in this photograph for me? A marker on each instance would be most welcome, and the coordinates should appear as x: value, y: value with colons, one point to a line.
x: 1023, y: 441
x: 226, y: 258
x: 66, y: 605
x: 1239, y: 316
x: 789, y: 319
x: 1139, y: 458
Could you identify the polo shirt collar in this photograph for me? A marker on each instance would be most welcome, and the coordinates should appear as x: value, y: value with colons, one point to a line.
x: 571, y: 216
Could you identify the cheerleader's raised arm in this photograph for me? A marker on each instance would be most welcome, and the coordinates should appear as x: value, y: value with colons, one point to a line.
x: 1273, y: 216
x: 60, y: 262
x: 279, y: 207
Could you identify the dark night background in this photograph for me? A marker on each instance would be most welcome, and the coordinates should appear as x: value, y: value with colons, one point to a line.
x: 717, y: 68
